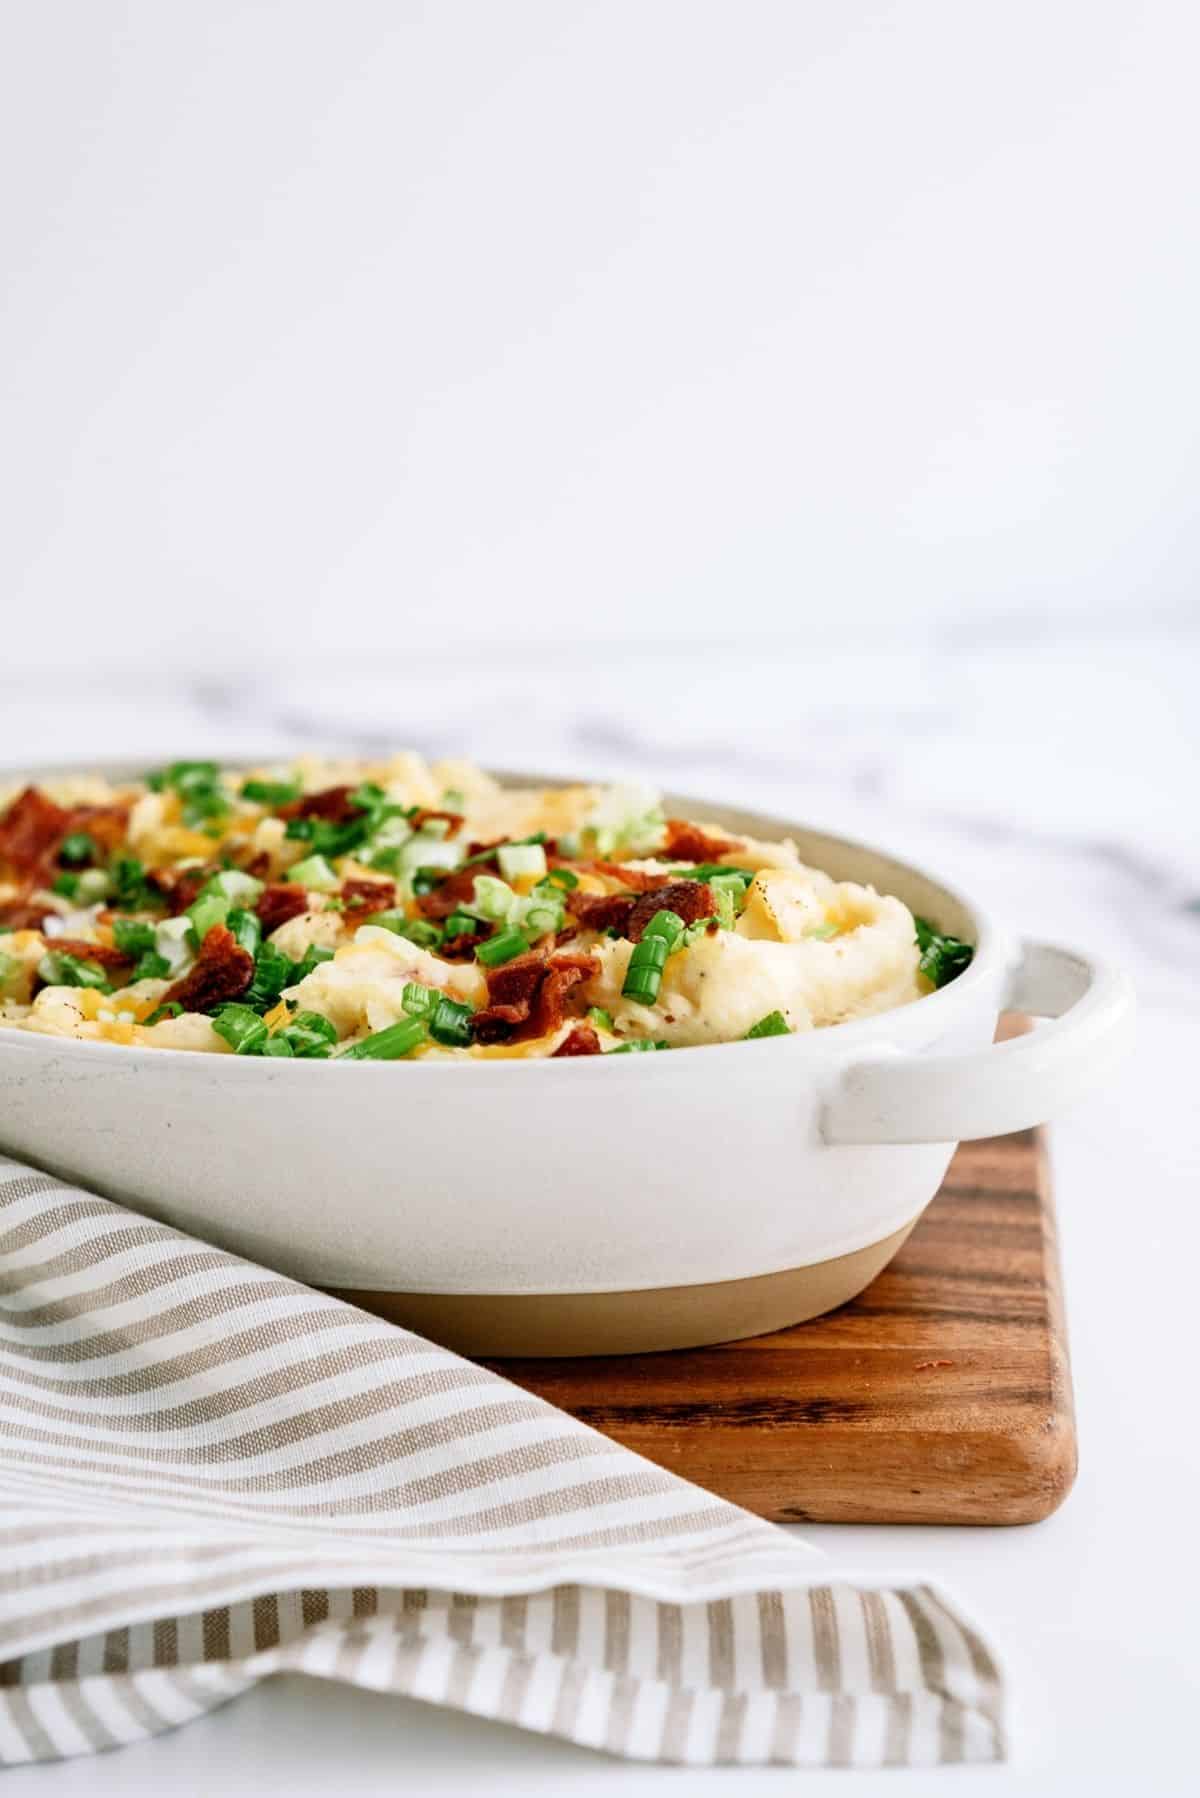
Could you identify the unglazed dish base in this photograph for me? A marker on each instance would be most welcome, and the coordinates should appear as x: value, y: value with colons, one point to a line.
x: 631, y: 1323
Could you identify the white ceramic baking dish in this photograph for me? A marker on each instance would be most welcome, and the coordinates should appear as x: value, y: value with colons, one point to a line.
x: 598, y: 1204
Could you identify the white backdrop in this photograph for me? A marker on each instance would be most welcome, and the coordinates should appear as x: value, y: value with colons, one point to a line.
x: 332, y: 331
x: 792, y: 401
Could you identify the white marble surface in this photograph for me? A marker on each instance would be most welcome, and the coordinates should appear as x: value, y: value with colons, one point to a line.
x: 1059, y: 780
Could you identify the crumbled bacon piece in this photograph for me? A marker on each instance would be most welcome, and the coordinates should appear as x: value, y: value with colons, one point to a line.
x: 425, y: 815
x: 512, y: 989
x: 457, y: 889
x: 686, y: 843
x: 565, y: 968
x: 527, y: 994
x: 107, y: 955
x: 364, y: 897
x: 690, y: 900
x: 105, y: 824
x: 222, y: 972
x: 639, y: 880
x: 278, y: 903
x: 462, y: 948
x: 180, y: 887
x: 259, y: 866
x: 602, y: 911
x: 31, y: 830
x: 24, y: 914
x: 581, y: 1041
x: 331, y: 803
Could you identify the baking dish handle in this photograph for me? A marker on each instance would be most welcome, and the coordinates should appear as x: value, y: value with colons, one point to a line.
x: 899, y: 1098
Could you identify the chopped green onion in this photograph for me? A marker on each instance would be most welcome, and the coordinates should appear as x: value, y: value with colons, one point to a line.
x: 453, y: 800
x: 653, y: 950
x: 774, y: 1024
x: 943, y: 958
x: 65, y: 885
x: 242, y: 1029
x: 732, y: 878
x: 204, y: 805
x: 600, y: 1018
x: 151, y: 966
x: 419, y: 1001
x: 132, y: 888
x: 312, y: 958
x: 133, y: 938
x: 637, y: 1048
x: 451, y: 1023
x: 492, y: 899
x: 368, y: 796
x: 273, y: 970
x: 566, y: 878
x: 271, y: 792
x: 387, y: 1045
x: 277, y: 1045
x: 626, y: 817
x: 206, y: 912
x: 518, y: 859
x: 710, y: 871
x: 493, y: 851
x: 231, y: 883
x: 540, y: 919
x: 415, y: 930
x: 181, y: 774
x: 198, y: 785
x: 387, y: 839
x: 315, y: 872
x: 726, y: 907
x: 461, y: 923
x: 170, y: 1008
x: 821, y: 933
x: 77, y: 849
x: 427, y: 859
x: 643, y: 976
x: 92, y: 884
x: 386, y: 858
x: 58, y: 968
x: 310, y: 1035
x: 327, y: 838
x: 666, y: 925
x: 502, y: 947
x: 246, y: 927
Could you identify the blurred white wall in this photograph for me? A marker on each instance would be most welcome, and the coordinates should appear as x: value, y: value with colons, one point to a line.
x: 342, y: 329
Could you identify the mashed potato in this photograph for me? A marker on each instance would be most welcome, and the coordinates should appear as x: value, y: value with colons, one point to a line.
x: 397, y: 909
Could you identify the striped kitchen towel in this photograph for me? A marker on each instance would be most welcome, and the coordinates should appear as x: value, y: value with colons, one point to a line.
x: 210, y: 1473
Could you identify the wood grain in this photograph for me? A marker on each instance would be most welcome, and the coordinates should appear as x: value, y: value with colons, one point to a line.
x: 941, y: 1395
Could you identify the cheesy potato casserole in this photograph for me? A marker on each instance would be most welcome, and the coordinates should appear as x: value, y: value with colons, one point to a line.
x: 394, y: 909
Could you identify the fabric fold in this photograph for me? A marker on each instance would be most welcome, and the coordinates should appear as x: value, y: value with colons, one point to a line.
x: 212, y: 1474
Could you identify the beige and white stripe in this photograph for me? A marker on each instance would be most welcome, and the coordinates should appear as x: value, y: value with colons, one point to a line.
x: 210, y: 1474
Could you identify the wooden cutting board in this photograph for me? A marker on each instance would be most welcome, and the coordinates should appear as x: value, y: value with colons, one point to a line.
x: 941, y: 1395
